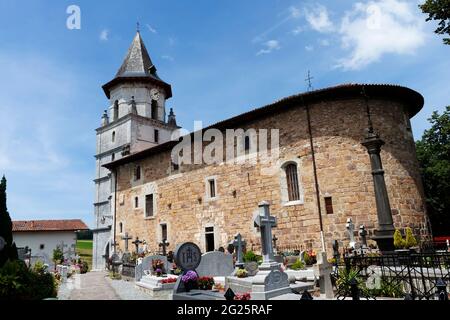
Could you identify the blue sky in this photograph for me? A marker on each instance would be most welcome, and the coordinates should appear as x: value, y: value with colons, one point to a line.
x: 221, y: 58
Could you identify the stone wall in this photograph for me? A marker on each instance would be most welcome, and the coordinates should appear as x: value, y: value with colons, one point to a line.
x: 344, y: 173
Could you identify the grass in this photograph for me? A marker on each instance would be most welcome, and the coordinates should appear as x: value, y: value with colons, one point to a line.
x: 84, y: 250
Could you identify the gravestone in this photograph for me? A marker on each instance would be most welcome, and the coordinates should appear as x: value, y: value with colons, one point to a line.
x: 136, y: 243
x: 270, y: 281
x: 239, y: 244
x: 350, y: 231
x: 323, y: 270
x: 252, y: 268
x: 126, y: 238
x: 146, y: 266
x: 188, y: 257
x: 215, y: 264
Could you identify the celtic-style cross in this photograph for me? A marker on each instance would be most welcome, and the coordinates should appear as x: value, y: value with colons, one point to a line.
x: 164, y: 244
x: 266, y: 222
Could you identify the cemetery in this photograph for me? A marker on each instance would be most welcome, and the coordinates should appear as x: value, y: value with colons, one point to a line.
x: 354, y: 271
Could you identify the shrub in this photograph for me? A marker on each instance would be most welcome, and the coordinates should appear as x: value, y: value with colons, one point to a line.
x: 250, y: 256
x: 205, y: 283
x: 410, y: 240
x: 58, y: 256
x: 388, y: 289
x: 241, y: 273
x: 17, y: 282
x: 399, y: 243
x: 298, y: 265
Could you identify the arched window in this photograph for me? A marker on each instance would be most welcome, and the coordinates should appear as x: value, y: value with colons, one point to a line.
x: 292, y: 182
x: 154, y: 110
x: 137, y: 173
x: 136, y: 202
x: 113, y: 136
x: 116, y: 111
x: 121, y: 227
x: 247, y: 143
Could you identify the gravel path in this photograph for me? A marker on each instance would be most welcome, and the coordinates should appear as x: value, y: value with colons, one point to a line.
x: 93, y: 286
x: 126, y: 290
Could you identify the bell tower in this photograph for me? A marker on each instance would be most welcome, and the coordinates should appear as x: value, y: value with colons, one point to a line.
x: 135, y: 120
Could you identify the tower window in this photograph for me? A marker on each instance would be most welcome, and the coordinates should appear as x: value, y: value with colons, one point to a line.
x: 156, y: 136
x: 113, y: 157
x: 137, y: 173
x: 136, y: 202
x: 121, y: 227
x: 292, y: 182
x: 154, y: 110
x: 116, y: 110
x: 149, y: 209
x: 329, y: 205
x: 113, y: 136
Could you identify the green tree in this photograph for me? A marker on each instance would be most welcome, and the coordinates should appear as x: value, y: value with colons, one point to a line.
x: 58, y: 255
x: 10, y: 251
x: 433, y: 152
x: 438, y: 10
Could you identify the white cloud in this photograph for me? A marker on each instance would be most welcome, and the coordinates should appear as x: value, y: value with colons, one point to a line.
x: 104, y: 35
x: 371, y: 30
x: 294, y: 12
x: 309, y: 48
x: 270, y: 46
x: 297, y: 30
x: 318, y: 18
x: 151, y: 29
x: 167, y: 57
x: 324, y: 42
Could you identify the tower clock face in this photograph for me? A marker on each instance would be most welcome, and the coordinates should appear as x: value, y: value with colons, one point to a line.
x: 154, y: 94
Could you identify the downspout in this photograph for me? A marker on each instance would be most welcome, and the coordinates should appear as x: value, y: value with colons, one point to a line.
x: 115, y: 210
x: 316, y: 181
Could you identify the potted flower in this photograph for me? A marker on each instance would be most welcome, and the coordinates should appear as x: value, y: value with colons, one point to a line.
x: 158, y: 267
x: 205, y: 283
x: 400, y: 243
x: 189, y: 280
x: 410, y: 240
x: 159, y: 272
x: 241, y: 273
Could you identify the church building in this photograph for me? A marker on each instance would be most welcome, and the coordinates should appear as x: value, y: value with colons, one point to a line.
x: 321, y: 174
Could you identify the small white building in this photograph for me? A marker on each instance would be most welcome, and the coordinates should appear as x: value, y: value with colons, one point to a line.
x: 43, y: 236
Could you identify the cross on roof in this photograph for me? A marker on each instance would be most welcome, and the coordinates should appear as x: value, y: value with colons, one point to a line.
x: 138, y: 26
x: 308, y: 79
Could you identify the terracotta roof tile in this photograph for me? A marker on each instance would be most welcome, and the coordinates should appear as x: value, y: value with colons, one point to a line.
x: 49, y: 225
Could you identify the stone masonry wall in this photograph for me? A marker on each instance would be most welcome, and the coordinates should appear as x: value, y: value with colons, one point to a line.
x: 344, y: 173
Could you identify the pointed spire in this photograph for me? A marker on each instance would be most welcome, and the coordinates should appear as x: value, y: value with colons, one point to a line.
x: 137, y: 62
x: 137, y: 65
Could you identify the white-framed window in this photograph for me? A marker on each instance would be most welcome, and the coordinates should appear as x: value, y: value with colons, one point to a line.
x: 290, y: 180
x: 149, y: 205
x: 211, y: 188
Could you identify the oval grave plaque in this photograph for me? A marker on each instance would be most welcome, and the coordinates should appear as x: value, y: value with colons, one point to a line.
x: 188, y: 256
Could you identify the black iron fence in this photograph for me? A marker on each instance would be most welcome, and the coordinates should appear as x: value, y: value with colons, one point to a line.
x: 401, y: 275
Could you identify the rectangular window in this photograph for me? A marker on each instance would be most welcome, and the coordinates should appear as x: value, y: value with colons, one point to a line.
x: 212, y: 188
x: 292, y: 182
x: 329, y: 205
x: 149, y: 211
x: 163, y: 232
x: 136, y: 202
x: 156, y: 136
x: 247, y: 143
x: 209, y: 239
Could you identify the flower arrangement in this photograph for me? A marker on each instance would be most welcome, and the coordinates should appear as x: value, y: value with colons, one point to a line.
x: 190, y: 276
x: 241, y: 273
x: 168, y: 280
x: 243, y: 296
x: 310, y: 257
x: 219, y: 287
x: 205, y: 283
x: 158, y: 266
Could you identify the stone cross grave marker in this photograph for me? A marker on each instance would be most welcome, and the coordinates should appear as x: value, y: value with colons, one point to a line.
x: 126, y: 238
x: 163, y: 245
x: 239, y: 244
x: 323, y: 270
x: 275, y: 239
x: 350, y: 230
x: 114, y: 244
x: 266, y: 222
x: 363, y: 235
x: 136, y: 243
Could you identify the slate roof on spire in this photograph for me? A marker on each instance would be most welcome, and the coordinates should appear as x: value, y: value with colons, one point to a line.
x: 137, y: 66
